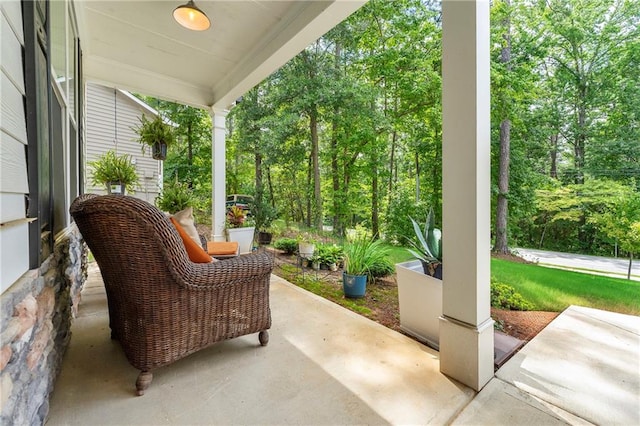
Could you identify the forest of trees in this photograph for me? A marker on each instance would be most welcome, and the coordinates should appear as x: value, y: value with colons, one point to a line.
x: 349, y: 132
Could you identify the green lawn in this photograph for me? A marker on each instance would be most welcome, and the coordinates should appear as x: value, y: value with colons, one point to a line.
x: 554, y: 289
x: 399, y: 254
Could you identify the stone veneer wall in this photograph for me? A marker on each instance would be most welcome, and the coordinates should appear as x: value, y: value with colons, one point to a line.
x: 36, y: 314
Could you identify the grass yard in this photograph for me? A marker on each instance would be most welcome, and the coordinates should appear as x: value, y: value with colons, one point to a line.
x: 554, y: 289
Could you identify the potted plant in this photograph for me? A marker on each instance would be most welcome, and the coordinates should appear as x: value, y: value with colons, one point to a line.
x: 306, y: 245
x: 360, y: 256
x: 155, y: 134
x: 175, y: 197
x: 116, y: 172
x: 240, y: 229
x: 428, y: 248
x: 419, y: 291
x: 330, y: 256
x: 263, y: 214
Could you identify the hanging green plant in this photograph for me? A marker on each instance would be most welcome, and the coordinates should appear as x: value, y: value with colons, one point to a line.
x: 112, y: 169
x: 155, y: 134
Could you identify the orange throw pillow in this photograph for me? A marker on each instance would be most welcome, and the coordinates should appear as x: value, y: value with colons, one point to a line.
x: 195, y: 252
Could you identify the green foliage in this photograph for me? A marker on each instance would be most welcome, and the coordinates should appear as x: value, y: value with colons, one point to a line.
x: 554, y: 290
x: 402, y: 207
x: 263, y: 214
x: 506, y: 297
x: 288, y: 245
x: 364, y: 256
x: 621, y: 222
x: 428, y: 247
x: 382, y: 267
x: 568, y: 214
x: 175, y: 197
x: 327, y: 254
x: 154, y: 131
x: 113, y: 168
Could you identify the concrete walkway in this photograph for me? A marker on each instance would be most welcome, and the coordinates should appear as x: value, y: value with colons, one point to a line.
x: 583, y: 368
x: 325, y: 365
x: 608, y: 266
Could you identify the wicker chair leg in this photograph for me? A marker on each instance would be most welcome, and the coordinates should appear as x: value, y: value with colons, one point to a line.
x: 264, y: 338
x: 143, y: 382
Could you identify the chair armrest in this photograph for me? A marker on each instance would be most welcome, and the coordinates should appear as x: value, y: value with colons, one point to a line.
x: 226, y: 272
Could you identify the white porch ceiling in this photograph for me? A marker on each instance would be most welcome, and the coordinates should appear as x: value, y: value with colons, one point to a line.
x: 136, y: 45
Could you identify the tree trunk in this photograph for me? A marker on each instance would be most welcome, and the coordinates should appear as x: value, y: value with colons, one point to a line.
x: 502, y: 205
x: 417, y: 159
x: 307, y: 219
x: 630, y: 265
x: 581, y: 137
x: 335, y: 177
x: 553, y: 172
x: 313, y: 124
x: 375, y: 226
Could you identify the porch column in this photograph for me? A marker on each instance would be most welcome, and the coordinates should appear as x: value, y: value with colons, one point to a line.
x: 218, y: 172
x: 466, y: 327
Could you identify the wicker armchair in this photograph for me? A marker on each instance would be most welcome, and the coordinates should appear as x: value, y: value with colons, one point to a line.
x: 162, y: 306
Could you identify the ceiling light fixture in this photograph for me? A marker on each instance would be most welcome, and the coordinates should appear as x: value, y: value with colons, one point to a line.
x: 189, y: 16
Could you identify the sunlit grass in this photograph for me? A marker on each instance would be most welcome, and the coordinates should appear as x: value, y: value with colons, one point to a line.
x: 554, y: 289
x: 399, y: 254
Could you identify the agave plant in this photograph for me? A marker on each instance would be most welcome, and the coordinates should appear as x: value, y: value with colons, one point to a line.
x: 428, y: 249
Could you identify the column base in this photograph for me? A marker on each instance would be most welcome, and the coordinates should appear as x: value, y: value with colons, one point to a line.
x: 466, y: 351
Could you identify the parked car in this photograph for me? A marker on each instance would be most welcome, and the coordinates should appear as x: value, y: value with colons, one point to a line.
x: 240, y: 200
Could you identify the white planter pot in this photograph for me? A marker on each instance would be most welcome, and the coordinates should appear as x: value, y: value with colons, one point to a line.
x: 306, y: 250
x: 243, y: 236
x: 420, y: 299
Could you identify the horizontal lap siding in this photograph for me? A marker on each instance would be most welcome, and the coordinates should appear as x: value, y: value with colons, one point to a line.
x: 101, y: 136
x: 14, y: 234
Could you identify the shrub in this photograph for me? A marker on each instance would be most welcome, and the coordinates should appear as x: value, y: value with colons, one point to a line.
x: 504, y: 296
x: 288, y: 245
x: 381, y: 268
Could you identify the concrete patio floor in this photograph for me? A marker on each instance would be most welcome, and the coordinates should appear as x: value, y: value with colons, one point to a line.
x: 325, y: 365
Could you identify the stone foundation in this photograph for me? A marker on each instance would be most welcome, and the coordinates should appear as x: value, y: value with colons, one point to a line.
x: 36, y: 314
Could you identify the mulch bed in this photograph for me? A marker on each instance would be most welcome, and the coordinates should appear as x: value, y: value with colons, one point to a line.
x: 382, y: 300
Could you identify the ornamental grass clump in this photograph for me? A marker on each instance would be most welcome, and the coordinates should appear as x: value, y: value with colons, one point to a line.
x: 363, y: 255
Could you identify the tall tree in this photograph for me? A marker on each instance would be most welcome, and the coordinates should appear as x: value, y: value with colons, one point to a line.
x: 502, y: 208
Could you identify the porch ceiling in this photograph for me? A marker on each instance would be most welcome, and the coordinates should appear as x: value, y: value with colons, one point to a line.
x: 136, y: 45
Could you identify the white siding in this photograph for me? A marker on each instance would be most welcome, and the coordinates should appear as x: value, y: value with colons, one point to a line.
x: 13, y: 170
x: 14, y: 234
x: 105, y: 131
x: 13, y: 121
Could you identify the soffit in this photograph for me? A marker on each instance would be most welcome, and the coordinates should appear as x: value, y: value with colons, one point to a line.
x: 136, y: 45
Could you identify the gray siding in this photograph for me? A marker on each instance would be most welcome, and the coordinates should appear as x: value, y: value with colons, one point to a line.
x: 111, y: 117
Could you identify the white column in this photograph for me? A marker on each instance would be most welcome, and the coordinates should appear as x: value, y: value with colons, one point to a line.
x: 218, y: 172
x: 466, y: 327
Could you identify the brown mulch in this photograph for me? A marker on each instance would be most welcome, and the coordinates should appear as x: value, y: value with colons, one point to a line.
x: 523, y: 325
x: 382, y: 299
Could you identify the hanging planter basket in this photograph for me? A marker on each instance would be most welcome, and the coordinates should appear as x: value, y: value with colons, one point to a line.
x: 159, y: 151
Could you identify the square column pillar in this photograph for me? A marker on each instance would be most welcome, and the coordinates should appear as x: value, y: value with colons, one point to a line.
x: 466, y: 327
x: 218, y: 173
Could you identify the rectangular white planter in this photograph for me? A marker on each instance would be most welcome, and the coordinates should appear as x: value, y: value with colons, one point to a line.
x: 420, y: 299
x: 243, y: 236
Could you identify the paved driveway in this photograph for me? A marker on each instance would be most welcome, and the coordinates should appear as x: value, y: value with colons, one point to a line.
x: 615, y: 267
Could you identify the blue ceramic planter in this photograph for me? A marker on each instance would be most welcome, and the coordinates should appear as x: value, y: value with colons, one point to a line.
x: 354, y: 286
